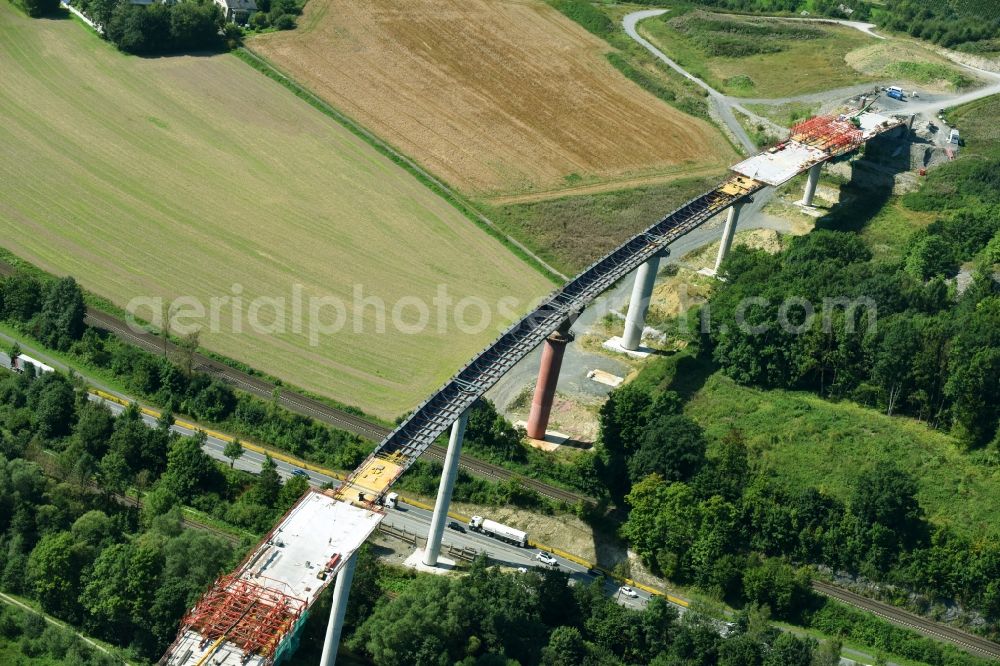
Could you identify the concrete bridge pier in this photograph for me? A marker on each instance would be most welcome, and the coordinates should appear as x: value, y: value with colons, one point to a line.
x: 811, y: 183
x: 638, y: 304
x: 728, y: 232
x: 447, y: 485
x: 548, y: 376
x: 341, y: 591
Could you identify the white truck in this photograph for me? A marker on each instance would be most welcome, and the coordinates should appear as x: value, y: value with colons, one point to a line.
x: 21, y: 361
x: 391, y: 500
x: 497, y: 531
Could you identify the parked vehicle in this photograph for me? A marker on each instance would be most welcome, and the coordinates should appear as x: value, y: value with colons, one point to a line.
x: 452, y: 525
x: 954, y: 137
x: 546, y: 558
x: 391, y: 500
x: 895, y: 92
x: 497, y: 531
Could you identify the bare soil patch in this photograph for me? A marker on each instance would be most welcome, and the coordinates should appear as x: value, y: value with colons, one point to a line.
x: 495, y: 96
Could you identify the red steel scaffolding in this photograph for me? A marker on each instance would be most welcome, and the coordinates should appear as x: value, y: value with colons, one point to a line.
x: 249, y: 615
x: 828, y: 133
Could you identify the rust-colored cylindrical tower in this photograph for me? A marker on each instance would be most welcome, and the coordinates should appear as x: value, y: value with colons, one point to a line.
x: 548, y: 377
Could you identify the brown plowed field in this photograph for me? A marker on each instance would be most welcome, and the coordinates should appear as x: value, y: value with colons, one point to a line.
x: 498, y: 97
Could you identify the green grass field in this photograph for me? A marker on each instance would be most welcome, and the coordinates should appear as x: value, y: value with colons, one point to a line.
x: 978, y: 124
x: 571, y: 232
x: 807, y: 441
x: 758, y: 57
x: 184, y: 176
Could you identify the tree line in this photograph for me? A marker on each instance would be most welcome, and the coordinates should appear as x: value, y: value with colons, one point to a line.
x: 52, y: 312
x: 495, y: 617
x: 122, y: 574
x: 720, y: 523
x: 902, y: 339
x: 153, y: 29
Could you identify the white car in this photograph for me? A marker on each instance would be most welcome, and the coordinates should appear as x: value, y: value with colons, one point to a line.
x: 545, y: 558
x: 628, y: 592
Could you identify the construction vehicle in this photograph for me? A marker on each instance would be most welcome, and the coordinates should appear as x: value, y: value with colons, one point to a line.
x: 494, y: 529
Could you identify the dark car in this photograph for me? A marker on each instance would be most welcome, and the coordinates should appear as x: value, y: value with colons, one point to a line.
x: 458, y: 527
x: 300, y: 472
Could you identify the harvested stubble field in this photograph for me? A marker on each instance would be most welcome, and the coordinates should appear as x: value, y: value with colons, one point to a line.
x: 497, y: 97
x: 187, y: 175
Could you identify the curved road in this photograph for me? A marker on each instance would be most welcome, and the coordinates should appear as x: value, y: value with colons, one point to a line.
x: 724, y: 105
x: 721, y: 103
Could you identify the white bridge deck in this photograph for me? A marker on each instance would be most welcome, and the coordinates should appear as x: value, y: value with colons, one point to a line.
x: 300, y: 557
x: 247, y: 616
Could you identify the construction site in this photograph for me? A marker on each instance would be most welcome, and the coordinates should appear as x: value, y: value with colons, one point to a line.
x: 252, y: 615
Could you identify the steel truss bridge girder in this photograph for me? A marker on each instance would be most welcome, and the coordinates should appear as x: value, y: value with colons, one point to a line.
x: 432, y: 417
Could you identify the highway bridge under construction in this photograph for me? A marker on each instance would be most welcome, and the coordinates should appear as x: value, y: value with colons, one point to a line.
x: 252, y: 616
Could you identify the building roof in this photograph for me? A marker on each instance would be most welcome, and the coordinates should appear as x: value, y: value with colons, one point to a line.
x: 239, y: 5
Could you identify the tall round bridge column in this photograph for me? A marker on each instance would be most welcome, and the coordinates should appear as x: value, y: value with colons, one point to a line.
x: 448, y: 475
x: 728, y: 232
x: 341, y: 590
x: 548, y: 376
x: 811, y: 183
x: 638, y: 305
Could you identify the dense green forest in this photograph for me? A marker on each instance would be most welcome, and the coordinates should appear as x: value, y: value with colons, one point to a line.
x: 493, y: 617
x: 917, y: 344
x: 120, y: 573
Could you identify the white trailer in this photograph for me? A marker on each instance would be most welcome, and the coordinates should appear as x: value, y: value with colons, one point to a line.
x: 497, y: 531
x: 21, y: 361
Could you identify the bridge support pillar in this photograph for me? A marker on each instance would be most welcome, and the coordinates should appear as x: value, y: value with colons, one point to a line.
x: 728, y: 232
x: 811, y: 183
x: 445, y: 489
x: 341, y: 590
x: 548, y: 376
x: 638, y: 305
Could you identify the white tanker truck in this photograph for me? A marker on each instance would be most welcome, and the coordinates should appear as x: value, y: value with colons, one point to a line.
x: 497, y: 531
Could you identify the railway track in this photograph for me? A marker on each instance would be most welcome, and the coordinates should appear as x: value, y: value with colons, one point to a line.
x: 304, y: 405
x: 315, y: 409
x: 971, y: 643
x: 125, y: 500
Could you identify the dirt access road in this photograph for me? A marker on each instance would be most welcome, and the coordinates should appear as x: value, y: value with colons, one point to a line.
x: 725, y: 104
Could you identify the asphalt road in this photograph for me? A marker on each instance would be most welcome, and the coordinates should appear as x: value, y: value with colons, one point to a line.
x: 417, y: 521
x: 411, y: 518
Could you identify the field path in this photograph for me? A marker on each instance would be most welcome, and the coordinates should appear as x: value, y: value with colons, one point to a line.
x: 721, y: 103
x: 6, y: 598
x: 609, y: 186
